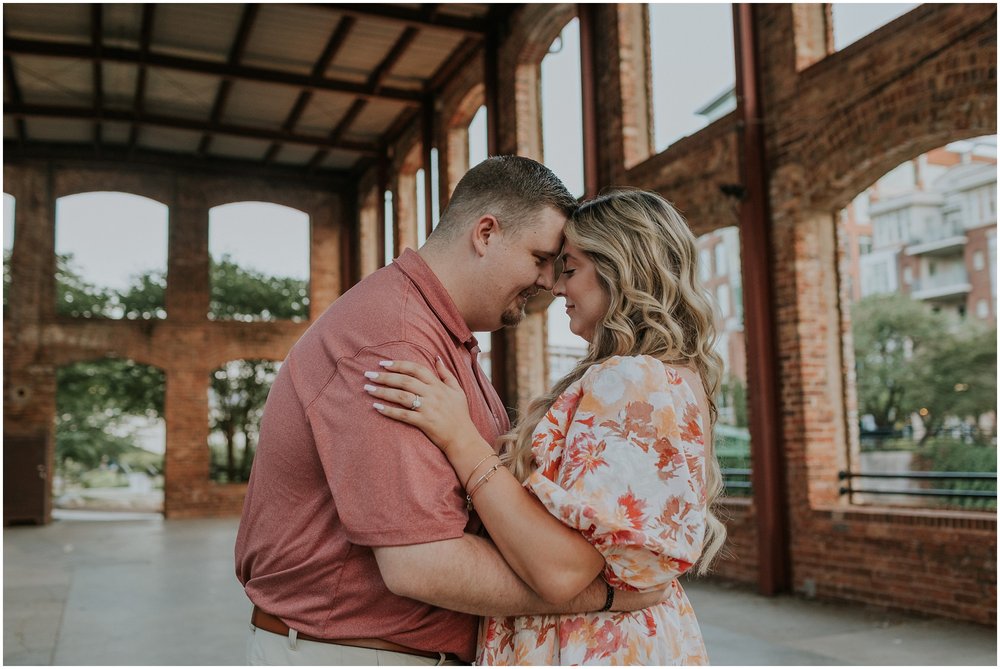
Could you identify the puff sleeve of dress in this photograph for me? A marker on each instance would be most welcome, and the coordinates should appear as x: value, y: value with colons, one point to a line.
x: 621, y: 458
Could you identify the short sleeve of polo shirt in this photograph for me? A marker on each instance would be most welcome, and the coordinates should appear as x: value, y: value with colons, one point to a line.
x: 391, y: 485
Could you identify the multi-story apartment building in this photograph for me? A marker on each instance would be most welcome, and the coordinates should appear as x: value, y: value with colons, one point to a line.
x: 932, y: 224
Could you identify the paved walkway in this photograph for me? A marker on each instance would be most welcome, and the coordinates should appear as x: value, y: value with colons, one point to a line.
x: 141, y: 590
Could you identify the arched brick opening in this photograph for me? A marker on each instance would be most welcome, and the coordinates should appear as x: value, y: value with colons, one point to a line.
x: 222, y: 218
x: 63, y: 361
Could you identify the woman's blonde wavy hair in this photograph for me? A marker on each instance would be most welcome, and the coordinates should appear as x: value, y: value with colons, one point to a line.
x: 645, y: 258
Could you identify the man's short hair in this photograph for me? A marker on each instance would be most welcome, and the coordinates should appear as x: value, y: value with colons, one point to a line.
x: 511, y: 188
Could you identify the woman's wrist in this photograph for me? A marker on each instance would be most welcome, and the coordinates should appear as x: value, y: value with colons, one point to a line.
x: 468, y: 453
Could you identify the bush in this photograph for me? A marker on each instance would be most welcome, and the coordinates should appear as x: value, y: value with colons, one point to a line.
x: 942, y: 454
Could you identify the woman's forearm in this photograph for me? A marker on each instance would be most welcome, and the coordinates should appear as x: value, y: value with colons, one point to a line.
x: 553, y: 559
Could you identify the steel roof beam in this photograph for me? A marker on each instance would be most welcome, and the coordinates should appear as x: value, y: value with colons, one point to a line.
x: 333, y: 46
x: 212, y: 68
x: 428, y: 16
x: 177, y: 123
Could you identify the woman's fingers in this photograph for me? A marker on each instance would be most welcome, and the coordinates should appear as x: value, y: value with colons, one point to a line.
x: 401, y: 397
x: 413, y: 369
x: 400, y: 381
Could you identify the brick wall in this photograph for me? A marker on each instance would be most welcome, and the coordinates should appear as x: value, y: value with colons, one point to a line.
x: 185, y: 345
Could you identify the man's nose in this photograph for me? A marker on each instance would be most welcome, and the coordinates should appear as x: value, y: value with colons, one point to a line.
x: 547, y: 277
x: 558, y: 288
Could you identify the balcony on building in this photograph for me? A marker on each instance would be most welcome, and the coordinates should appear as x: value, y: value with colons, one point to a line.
x: 948, y: 286
x: 946, y: 239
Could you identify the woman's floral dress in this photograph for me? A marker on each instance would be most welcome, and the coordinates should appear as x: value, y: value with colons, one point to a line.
x: 621, y: 458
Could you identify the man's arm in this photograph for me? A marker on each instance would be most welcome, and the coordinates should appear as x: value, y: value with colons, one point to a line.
x: 469, y: 575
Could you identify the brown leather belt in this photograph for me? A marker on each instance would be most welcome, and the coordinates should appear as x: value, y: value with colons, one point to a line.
x: 276, y: 625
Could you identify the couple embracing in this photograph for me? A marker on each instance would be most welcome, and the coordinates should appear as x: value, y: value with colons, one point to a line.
x: 394, y: 516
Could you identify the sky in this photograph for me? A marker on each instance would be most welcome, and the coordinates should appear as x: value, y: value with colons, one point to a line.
x: 116, y: 236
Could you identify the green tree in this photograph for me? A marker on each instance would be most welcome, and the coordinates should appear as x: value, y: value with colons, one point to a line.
x: 93, y: 402
x: 77, y: 297
x: 955, y: 375
x: 889, y: 332
x: 244, y: 294
x: 145, y: 297
x: 238, y: 392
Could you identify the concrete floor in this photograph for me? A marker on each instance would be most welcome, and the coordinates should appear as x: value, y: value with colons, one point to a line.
x: 141, y: 590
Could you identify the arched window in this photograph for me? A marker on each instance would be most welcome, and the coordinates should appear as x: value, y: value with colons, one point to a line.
x: 917, y: 264
x: 693, y: 68
x: 390, y: 228
x: 260, y: 262
x: 110, y: 436
x: 111, y: 253
x: 562, y: 108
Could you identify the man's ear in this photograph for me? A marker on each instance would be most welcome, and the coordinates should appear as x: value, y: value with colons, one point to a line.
x: 486, y: 231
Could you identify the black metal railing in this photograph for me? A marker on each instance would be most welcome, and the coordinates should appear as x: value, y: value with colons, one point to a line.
x: 737, y: 481
x: 925, y: 492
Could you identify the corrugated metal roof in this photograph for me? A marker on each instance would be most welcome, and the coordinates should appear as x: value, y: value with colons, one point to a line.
x: 367, y: 45
x: 194, y: 60
x: 290, y: 37
x: 183, y: 94
x: 54, y: 81
x: 62, y: 22
x: 259, y: 105
x: 324, y: 112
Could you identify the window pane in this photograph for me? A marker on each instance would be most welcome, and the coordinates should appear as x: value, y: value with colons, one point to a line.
x: 260, y: 262
x: 8, y: 221
x: 923, y: 333
x: 478, y: 138
x: 111, y: 255
x: 693, y: 68
x: 390, y: 228
x: 562, y: 109
x: 485, y: 340
x: 725, y: 284
x: 8, y: 241
x: 435, y: 193
x: 421, y: 209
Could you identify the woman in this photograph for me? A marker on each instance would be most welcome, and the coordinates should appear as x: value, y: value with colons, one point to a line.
x: 612, y: 472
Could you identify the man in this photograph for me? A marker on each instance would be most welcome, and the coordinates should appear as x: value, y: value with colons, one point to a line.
x: 355, y: 544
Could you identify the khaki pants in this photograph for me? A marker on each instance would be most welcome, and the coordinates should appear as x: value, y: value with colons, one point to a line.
x: 267, y: 649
